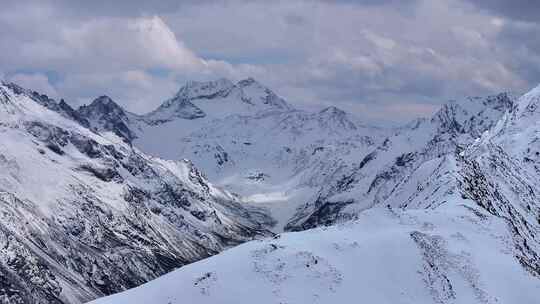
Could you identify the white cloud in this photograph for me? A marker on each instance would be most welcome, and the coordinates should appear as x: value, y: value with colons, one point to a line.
x: 145, y: 42
x: 98, y: 44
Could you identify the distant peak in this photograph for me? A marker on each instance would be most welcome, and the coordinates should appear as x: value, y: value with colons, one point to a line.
x: 194, y: 89
x: 534, y: 93
x: 101, y: 105
x: 332, y: 110
x: 205, y: 85
x: 335, y: 118
x: 247, y: 82
x: 529, y: 103
x: 104, y: 101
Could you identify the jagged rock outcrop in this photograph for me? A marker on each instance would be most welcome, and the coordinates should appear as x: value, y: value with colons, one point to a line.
x: 103, y: 114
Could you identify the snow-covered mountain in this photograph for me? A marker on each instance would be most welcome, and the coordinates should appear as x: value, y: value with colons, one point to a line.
x: 441, y: 216
x: 442, y: 210
x: 280, y: 159
x: 196, y: 104
x: 246, y: 138
x: 198, y: 100
x: 307, y: 169
x: 382, y: 172
x: 84, y: 214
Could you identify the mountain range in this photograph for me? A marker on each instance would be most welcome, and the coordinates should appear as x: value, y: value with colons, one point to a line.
x: 97, y: 200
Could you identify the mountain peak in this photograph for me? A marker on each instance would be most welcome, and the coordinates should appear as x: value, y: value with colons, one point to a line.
x: 103, y: 106
x: 472, y: 115
x: 254, y: 93
x: 103, y: 114
x: 529, y: 103
x: 333, y: 110
x: 336, y: 117
x: 217, y: 99
x: 247, y: 82
x: 42, y: 99
x: 204, y: 89
x: 104, y: 99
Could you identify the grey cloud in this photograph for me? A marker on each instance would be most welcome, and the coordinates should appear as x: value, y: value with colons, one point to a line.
x: 522, y: 42
x: 135, y: 8
x: 370, y: 56
x: 105, y: 8
x: 514, y: 9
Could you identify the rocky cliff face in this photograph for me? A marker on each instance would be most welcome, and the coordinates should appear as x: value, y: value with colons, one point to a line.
x: 103, y: 115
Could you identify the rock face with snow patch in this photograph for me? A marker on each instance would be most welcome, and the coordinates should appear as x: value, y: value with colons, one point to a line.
x: 103, y: 114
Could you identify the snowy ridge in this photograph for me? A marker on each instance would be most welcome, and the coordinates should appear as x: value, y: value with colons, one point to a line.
x: 84, y: 215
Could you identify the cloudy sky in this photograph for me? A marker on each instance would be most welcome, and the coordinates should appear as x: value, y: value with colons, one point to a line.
x: 385, y: 60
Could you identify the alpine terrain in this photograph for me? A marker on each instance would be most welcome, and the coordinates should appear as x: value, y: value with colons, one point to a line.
x: 97, y: 200
x: 441, y: 210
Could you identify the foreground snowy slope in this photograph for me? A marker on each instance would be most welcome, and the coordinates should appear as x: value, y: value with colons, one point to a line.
x: 448, y: 255
x: 462, y: 227
x: 84, y: 215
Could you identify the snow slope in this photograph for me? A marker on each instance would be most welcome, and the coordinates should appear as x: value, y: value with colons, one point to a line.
x: 84, y: 215
x: 448, y: 255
